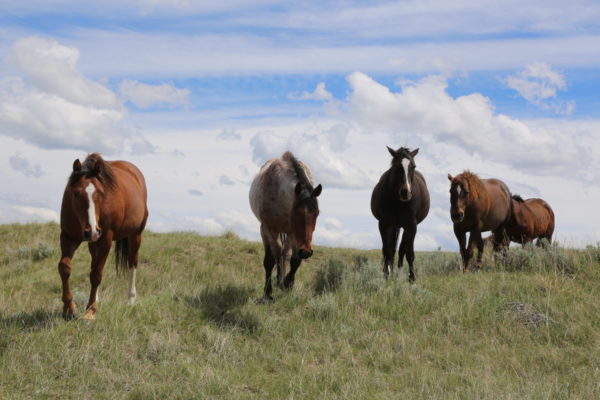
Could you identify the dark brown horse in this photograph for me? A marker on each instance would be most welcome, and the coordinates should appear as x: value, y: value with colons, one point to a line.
x: 400, y: 200
x: 284, y: 200
x: 478, y: 205
x: 103, y: 201
x: 531, y: 219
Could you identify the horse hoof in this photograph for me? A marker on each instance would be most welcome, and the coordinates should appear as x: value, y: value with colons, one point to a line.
x: 265, y: 299
x: 89, y: 315
x: 131, y: 301
x: 69, y: 311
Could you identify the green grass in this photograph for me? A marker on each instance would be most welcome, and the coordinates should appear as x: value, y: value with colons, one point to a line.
x: 527, y: 327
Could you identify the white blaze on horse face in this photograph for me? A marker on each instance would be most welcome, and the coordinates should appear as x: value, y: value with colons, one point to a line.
x: 90, y: 189
x: 405, y: 164
x: 458, y: 190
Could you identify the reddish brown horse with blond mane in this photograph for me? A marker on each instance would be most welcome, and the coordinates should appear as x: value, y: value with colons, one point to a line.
x: 284, y: 200
x: 531, y: 219
x: 103, y: 201
x: 478, y: 205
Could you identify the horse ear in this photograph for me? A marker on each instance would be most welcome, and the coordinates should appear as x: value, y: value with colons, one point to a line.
x: 414, y: 152
x: 392, y: 151
x: 317, y: 191
x: 77, y: 165
x: 450, y: 177
x: 97, y: 169
x: 298, y: 188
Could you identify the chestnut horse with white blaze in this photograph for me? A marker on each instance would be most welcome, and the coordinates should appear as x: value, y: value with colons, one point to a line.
x: 104, y: 201
x: 400, y: 200
x: 284, y: 200
x: 478, y: 205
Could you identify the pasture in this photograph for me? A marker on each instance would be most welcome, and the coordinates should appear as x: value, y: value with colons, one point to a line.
x: 527, y: 327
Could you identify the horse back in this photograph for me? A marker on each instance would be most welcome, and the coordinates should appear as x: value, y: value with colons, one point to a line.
x: 543, y: 215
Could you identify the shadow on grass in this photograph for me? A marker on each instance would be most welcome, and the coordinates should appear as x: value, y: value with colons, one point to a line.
x: 222, y: 306
x: 30, y: 322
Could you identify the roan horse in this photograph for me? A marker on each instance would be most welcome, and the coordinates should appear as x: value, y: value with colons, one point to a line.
x: 478, y: 205
x: 531, y: 219
x: 103, y: 201
x: 284, y: 200
x: 400, y: 200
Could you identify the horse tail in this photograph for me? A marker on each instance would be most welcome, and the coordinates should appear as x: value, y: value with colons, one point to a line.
x: 122, y: 255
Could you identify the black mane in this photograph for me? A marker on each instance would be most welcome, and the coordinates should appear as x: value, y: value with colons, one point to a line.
x: 303, y: 179
x: 518, y: 198
x: 94, y: 166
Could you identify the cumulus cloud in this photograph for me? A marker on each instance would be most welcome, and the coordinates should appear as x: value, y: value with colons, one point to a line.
x: 424, y: 109
x: 26, y: 214
x: 314, y: 150
x: 320, y: 93
x: 20, y: 164
x: 146, y: 96
x: 52, y: 105
x: 537, y: 83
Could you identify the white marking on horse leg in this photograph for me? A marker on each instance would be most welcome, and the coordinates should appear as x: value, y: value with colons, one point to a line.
x: 90, y: 189
x: 97, y: 297
x: 132, y: 292
x: 405, y: 164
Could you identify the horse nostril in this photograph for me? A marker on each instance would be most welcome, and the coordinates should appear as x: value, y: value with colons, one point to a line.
x: 87, y: 235
x: 99, y: 232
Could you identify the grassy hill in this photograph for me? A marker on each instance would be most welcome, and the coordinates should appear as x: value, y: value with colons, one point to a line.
x: 526, y: 327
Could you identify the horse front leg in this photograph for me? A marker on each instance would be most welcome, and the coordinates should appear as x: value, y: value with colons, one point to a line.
x: 99, y: 251
x: 462, y: 241
x: 479, y: 243
x: 407, y: 247
x: 473, y: 243
x: 389, y: 239
x: 295, y: 262
x: 67, y: 248
x: 284, y: 260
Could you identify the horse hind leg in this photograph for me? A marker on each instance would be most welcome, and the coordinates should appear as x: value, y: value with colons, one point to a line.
x: 272, y: 255
x: 134, y: 243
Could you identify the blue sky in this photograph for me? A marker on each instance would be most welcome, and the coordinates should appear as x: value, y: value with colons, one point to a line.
x: 199, y: 95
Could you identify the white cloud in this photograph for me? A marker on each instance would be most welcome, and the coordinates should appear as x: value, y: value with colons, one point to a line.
x: 25, y: 214
x: 320, y: 93
x: 424, y: 109
x: 146, y: 96
x: 20, y: 164
x: 195, y: 192
x: 52, y: 105
x: 537, y: 83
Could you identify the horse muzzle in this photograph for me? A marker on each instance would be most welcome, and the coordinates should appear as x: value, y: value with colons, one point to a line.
x: 304, y: 254
x: 405, y: 194
x: 457, y: 216
x: 90, y: 236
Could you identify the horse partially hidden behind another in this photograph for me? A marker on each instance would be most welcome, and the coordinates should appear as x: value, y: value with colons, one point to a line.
x: 400, y: 200
x: 531, y: 219
x: 103, y: 201
x: 478, y: 205
x: 284, y: 200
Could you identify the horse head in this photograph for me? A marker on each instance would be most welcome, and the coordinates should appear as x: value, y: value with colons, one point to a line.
x: 304, y: 217
x: 402, y: 172
x: 459, y: 197
x: 86, y: 194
